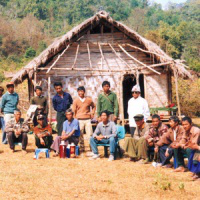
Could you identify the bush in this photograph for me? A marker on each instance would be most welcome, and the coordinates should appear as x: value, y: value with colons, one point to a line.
x: 30, y: 53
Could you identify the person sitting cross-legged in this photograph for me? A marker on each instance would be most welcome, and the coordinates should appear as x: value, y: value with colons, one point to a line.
x: 43, y: 133
x: 137, y: 147
x: 105, y: 133
x: 168, y: 141
x: 189, y: 140
x: 16, y: 130
x: 70, y: 133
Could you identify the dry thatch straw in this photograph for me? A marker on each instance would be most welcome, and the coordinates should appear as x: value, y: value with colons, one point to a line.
x: 61, y: 43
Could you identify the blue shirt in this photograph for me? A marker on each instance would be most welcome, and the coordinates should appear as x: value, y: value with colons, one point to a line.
x: 62, y: 104
x: 9, y: 102
x: 69, y: 127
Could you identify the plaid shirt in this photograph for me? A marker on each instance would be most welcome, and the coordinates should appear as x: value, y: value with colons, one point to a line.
x: 12, y: 125
x: 156, y: 133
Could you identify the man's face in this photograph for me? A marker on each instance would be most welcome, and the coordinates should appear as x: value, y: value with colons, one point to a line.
x: 17, y: 116
x: 10, y: 89
x: 135, y: 94
x: 81, y: 93
x: 104, y: 117
x: 173, y: 124
x: 58, y: 89
x: 186, y: 125
x: 106, y: 88
x: 139, y: 122
x: 41, y: 122
x: 155, y: 122
x: 38, y: 92
x: 69, y: 116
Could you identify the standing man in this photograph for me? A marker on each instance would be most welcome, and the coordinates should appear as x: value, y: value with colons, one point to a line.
x: 136, y: 146
x: 16, y: 130
x: 42, y: 104
x: 105, y: 133
x: 169, y: 140
x: 107, y: 100
x: 190, y: 138
x: 84, y: 110
x: 70, y: 133
x: 9, y: 104
x: 137, y: 105
x: 2, y: 123
x: 61, y: 102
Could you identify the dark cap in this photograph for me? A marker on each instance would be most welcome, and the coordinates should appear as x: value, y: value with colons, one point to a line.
x: 138, y: 117
x: 39, y: 117
x: 10, y: 84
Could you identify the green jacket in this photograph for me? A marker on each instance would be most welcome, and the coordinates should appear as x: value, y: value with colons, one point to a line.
x: 108, y: 102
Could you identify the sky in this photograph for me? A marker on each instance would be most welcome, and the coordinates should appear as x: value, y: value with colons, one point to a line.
x: 164, y: 2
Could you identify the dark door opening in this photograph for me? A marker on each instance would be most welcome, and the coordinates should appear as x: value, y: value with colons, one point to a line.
x: 128, y: 83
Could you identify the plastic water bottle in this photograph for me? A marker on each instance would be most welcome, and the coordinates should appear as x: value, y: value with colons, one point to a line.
x: 72, y: 150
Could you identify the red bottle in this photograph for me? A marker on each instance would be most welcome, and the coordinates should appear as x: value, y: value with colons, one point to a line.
x: 62, y: 149
x: 72, y: 150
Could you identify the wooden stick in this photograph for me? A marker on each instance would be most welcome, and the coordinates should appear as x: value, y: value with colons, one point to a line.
x: 54, y: 63
x: 75, y: 56
x: 88, y: 48
x: 145, y: 51
x: 102, y: 56
x: 177, y: 94
x: 119, y: 56
x: 137, y: 60
x: 49, y: 99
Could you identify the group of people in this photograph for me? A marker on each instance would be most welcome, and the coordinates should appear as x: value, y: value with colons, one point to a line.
x: 147, y: 142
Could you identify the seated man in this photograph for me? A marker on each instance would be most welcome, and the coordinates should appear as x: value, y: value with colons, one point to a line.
x: 155, y: 132
x: 70, y: 133
x: 137, y: 147
x: 190, y: 138
x: 105, y: 133
x: 43, y: 133
x: 169, y: 140
x: 16, y: 131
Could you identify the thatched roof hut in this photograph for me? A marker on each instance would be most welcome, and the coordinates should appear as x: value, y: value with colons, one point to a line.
x: 101, y: 48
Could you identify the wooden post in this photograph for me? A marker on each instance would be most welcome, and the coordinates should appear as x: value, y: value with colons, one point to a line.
x: 177, y: 94
x: 121, y: 103
x: 49, y: 99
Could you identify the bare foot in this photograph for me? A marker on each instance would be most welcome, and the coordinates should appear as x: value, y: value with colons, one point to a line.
x: 55, y: 154
x: 180, y: 169
x: 12, y: 150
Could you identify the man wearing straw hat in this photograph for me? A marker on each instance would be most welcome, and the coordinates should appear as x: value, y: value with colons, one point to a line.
x: 137, y: 105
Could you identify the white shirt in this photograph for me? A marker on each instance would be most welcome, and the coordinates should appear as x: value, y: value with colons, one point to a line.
x: 82, y: 99
x: 135, y: 107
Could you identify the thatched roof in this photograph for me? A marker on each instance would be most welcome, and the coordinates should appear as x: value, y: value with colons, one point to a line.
x: 60, y: 43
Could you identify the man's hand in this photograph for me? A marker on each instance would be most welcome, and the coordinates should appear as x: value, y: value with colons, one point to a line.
x: 18, y: 132
x: 42, y: 141
x: 167, y: 153
x: 175, y: 146
x: 64, y: 137
x: 192, y: 146
x: 39, y: 135
x: 199, y: 158
x: 100, y: 137
x: 156, y: 149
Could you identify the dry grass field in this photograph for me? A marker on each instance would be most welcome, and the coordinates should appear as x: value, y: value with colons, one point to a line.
x: 22, y: 177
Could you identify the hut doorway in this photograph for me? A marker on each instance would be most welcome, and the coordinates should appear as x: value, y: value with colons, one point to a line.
x: 128, y: 83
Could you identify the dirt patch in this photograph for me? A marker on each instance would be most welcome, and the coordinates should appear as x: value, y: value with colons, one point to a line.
x: 22, y: 177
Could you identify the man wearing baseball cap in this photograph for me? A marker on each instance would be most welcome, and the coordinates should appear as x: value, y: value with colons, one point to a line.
x: 9, y: 103
x: 137, y: 105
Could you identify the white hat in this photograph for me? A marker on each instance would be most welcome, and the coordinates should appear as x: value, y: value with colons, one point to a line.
x: 136, y: 88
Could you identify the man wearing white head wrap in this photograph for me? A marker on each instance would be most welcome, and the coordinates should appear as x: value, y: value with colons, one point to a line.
x: 137, y: 105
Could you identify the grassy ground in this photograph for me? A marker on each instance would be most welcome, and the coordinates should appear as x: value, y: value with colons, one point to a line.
x: 22, y: 177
